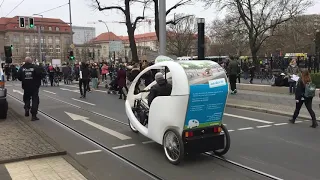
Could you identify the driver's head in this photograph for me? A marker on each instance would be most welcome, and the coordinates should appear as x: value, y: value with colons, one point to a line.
x: 159, y: 77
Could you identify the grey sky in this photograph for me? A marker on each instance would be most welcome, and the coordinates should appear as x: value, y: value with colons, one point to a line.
x: 82, y: 12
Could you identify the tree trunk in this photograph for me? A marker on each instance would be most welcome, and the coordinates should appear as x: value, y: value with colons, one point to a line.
x: 156, y: 17
x: 130, y: 31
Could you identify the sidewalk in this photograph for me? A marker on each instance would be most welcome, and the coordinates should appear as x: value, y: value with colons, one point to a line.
x: 281, y: 104
x: 23, y: 152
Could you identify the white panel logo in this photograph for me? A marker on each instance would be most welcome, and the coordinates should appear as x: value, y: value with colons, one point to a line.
x: 217, y: 82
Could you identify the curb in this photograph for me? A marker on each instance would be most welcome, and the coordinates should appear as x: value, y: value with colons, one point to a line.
x: 23, y: 120
x: 82, y: 169
x: 251, y: 108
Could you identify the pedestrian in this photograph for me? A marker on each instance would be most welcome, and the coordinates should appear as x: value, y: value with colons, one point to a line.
x: 252, y: 72
x: 104, y: 72
x: 304, y: 94
x: 233, y: 71
x: 88, y: 82
x: 84, y: 78
x: 31, y: 75
x: 292, y: 69
x: 95, y: 76
x: 51, y: 72
x: 121, y: 80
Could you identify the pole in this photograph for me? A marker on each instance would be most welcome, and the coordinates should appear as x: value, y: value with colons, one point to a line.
x: 39, y: 38
x: 162, y: 27
x: 201, y: 38
x: 71, y: 33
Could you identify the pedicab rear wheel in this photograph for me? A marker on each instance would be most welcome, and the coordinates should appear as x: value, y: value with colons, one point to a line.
x: 226, y: 148
x: 173, y: 146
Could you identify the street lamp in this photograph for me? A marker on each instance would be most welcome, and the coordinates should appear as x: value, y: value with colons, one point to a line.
x: 39, y: 38
x: 105, y: 23
x: 200, y: 22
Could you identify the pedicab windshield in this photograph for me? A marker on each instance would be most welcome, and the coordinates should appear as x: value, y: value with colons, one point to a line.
x: 208, y: 93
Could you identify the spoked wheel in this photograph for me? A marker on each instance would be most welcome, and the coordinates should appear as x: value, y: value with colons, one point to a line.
x: 173, y: 146
x: 226, y: 141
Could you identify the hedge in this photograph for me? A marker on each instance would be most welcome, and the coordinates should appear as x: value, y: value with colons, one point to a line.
x: 316, y: 79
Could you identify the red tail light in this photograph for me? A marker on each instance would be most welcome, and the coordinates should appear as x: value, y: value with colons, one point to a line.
x: 189, y: 134
x: 217, y: 129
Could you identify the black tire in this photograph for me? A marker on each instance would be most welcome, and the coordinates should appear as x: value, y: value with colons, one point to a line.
x: 132, y: 127
x: 180, y: 147
x: 227, y: 142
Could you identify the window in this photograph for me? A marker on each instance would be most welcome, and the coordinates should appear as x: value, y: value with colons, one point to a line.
x: 16, y: 38
x: 50, y: 39
x: 17, y: 51
x: 27, y: 39
x: 57, y: 40
x: 50, y: 48
x: 35, y: 39
x: 50, y: 28
x: 43, y: 40
x: 104, y: 50
x: 42, y: 28
x: 27, y: 50
x: 57, y: 29
x: 57, y: 48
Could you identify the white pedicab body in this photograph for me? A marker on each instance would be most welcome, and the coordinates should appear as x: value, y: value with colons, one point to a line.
x: 189, y: 120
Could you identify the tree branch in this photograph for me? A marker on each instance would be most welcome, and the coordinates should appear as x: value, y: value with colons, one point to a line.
x: 176, y: 21
x: 180, y: 3
x: 109, y: 7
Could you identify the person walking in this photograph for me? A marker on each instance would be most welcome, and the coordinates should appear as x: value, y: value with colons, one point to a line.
x: 233, y: 71
x: 30, y: 75
x: 304, y: 94
x: 104, y: 72
x: 121, y: 80
x: 84, y: 79
x: 95, y: 76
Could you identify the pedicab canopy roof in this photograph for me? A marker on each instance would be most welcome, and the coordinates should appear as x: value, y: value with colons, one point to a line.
x: 202, y: 71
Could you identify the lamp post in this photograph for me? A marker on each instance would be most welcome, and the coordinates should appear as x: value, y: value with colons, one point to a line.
x: 162, y: 27
x: 39, y: 38
x: 114, y: 53
x: 201, y: 22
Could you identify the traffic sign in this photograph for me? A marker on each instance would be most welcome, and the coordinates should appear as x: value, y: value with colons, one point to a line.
x: 115, y: 46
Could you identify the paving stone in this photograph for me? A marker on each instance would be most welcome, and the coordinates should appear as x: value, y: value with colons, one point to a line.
x: 18, y: 140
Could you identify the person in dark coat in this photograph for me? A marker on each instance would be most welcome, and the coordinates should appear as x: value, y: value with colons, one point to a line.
x: 162, y: 88
x: 84, y: 79
x: 121, y: 79
x: 134, y: 73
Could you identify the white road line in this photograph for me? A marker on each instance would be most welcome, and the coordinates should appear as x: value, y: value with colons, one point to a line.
x: 123, y: 146
x: 264, y: 126
x: 88, y: 152
x: 48, y: 92
x: 247, y: 128
x: 247, y: 118
x: 298, y: 121
x: 83, y: 101
x: 100, y: 91
x: 9, y: 85
x: 63, y: 102
x: 148, y: 142
x: 280, y: 124
x: 230, y: 130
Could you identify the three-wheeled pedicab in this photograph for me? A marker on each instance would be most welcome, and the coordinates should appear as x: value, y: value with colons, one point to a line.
x: 189, y: 120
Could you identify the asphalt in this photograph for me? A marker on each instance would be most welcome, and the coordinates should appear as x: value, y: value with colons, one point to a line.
x: 261, y: 141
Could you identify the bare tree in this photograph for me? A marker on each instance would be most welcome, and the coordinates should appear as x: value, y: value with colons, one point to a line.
x: 131, y: 26
x: 228, y: 37
x: 181, y: 37
x: 175, y: 20
x: 259, y: 18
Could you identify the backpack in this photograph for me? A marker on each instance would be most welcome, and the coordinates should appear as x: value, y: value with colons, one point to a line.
x: 50, y: 69
x: 310, y: 90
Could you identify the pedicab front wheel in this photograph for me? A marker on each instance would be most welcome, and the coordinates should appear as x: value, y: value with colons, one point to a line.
x: 173, y: 146
x: 132, y: 127
x: 227, y: 142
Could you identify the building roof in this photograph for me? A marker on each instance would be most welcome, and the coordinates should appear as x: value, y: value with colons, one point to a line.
x: 12, y: 24
x: 152, y: 36
x: 108, y: 36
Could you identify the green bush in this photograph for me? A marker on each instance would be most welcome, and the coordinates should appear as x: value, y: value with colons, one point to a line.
x: 316, y: 79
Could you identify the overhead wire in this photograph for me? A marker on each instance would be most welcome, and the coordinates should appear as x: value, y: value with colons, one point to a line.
x: 1, y: 3
x: 53, y: 8
x: 15, y: 8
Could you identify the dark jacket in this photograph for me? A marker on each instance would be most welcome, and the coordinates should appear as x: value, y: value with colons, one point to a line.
x: 85, y: 72
x: 121, y: 78
x: 66, y: 70
x: 162, y: 88
x: 134, y: 73
x: 233, y: 68
x: 300, y: 89
x: 94, y: 73
x: 31, y: 76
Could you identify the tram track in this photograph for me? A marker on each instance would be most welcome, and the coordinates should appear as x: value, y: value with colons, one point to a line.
x: 124, y: 159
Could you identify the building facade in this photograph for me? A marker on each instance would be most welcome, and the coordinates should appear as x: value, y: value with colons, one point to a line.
x: 83, y: 35
x: 55, y: 38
